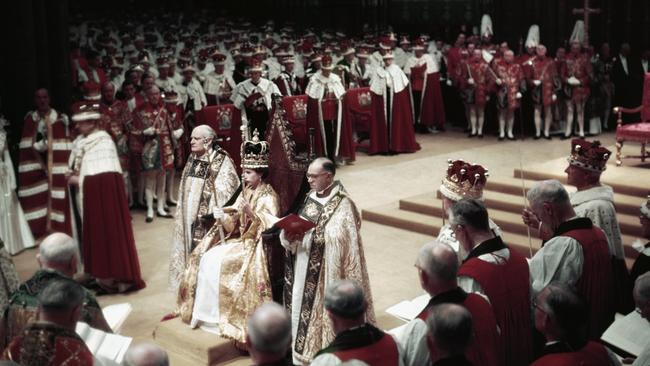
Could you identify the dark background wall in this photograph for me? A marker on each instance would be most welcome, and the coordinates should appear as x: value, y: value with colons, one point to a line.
x: 35, y: 50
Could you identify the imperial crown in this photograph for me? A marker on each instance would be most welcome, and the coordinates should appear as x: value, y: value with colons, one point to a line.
x: 255, y: 153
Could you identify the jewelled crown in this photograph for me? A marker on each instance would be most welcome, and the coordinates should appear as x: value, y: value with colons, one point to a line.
x: 463, y: 180
x: 589, y: 155
x: 255, y: 153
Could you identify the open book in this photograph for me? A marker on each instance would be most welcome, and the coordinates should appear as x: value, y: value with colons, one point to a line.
x: 629, y: 333
x: 107, y: 348
x: 294, y: 224
x: 409, y: 310
x: 116, y: 315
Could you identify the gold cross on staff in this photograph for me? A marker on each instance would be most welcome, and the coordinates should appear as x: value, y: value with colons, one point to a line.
x: 586, y: 11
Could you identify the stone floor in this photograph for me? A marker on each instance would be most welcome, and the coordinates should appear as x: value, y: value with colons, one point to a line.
x: 371, y: 181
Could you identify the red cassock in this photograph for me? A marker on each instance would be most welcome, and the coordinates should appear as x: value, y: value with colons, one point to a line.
x: 595, y: 285
x: 593, y: 354
x: 43, y: 189
x: 484, y: 347
x: 507, y: 287
x: 357, y: 112
x: 392, y: 113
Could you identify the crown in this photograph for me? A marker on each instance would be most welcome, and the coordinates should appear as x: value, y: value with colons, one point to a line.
x: 589, y: 155
x: 255, y: 153
x: 463, y: 180
x: 645, y: 208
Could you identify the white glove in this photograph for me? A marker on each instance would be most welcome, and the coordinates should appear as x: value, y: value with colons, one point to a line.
x: 449, y: 82
x: 149, y: 131
x: 217, y: 213
x: 499, y: 82
x: 177, y: 134
x: 518, y: 95
x: 40, y: 146
x: 573, y: 81
x: 470, y: 81
x: 554, y: 97
x: 537, y: 82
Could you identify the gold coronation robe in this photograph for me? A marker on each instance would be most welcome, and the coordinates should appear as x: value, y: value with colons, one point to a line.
x: 207, y: 181
x: 331, y: 251
x: 226, y: 280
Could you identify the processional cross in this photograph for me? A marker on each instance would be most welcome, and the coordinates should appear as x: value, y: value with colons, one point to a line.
x: 586, y: 12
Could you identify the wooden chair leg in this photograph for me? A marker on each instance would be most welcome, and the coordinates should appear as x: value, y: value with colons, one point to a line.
x: 619, y: 146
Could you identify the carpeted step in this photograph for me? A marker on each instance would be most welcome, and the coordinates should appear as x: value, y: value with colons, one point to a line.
x: 391, y: 215
x: 195, y: 345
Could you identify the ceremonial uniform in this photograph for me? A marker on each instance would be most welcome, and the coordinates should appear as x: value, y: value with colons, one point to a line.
x: 424, y: 79
x: 44, y: 153
x: 543, y: 69
x: 324, y: 112
x: 511, y: 77
x: 109, y: 251
x: 391, y: 112
x: 288, y: 84
x: 579, y: 67
x: 117, y: 120
x: 255, y: 101
x: 218, y: 88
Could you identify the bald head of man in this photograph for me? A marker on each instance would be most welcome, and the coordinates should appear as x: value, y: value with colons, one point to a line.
x: 437, y: 265
x: 59, y: 252
x: 346, y: 305
x: 269, y: 333
x: 146, y: 354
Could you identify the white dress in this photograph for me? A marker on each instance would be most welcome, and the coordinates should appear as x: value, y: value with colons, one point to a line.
x: 14, y: 230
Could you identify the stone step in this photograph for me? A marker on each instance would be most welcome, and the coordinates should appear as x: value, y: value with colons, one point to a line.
x: 496, y: 201
x: 391, y: 215
x: 425, y: 218
x: 624, y: 180
x: 197, y: 346
x: 625, y: 203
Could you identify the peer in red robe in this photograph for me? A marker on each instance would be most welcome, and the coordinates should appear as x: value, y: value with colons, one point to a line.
x: 392, y: 130
x: 423, y: 72
x: 44, y: 152
x: 109, y: 252
x: 324, y: 110
x: 502, y: 275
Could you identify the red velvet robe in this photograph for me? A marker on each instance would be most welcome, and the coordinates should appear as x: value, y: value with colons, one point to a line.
x: 593, y: 354
x: 432, y: 109
x: 507, y: 287
x: 595, y: 285
x: 109, y: 245
x: 43, y: 189
x: 485, y: 346
x: 399, y: 137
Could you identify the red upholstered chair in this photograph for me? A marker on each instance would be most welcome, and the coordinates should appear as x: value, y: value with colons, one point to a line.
x: 638, y: 131
x: 358, y: 110
x: 225, y: 119
x: 296, y: 114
